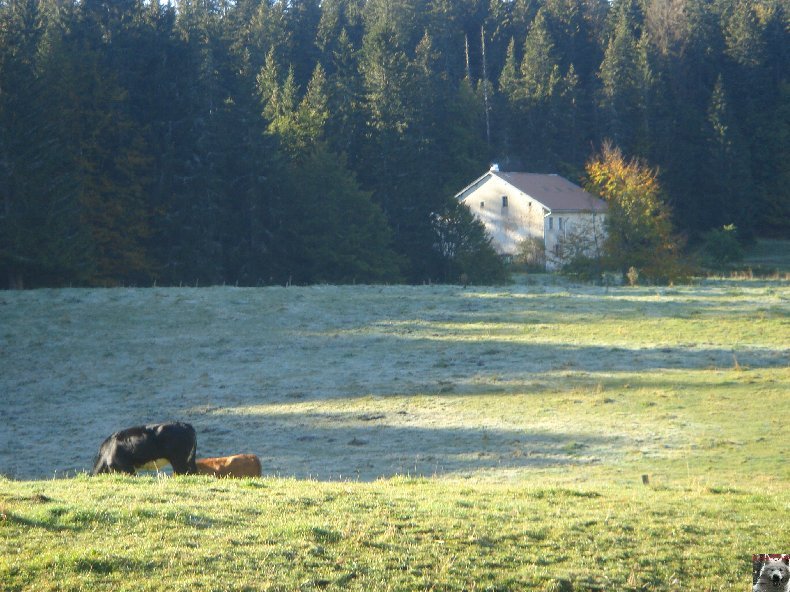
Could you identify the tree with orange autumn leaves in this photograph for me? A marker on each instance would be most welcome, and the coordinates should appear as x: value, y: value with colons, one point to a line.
x: 638, y: 223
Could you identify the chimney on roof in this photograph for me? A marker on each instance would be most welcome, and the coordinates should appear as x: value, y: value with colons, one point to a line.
x: 495, y: 168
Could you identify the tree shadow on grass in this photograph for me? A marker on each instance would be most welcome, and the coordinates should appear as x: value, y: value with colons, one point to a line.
x: 67, y: 390
x: 351, y: 366
x: 366, y: 447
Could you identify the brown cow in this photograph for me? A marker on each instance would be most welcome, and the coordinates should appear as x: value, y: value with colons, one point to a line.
x: 238, y: 465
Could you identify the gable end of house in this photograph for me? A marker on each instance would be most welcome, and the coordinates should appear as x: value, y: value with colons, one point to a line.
x: 514, y: 207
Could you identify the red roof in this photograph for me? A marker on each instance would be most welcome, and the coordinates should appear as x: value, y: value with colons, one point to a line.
x: 554, y: 192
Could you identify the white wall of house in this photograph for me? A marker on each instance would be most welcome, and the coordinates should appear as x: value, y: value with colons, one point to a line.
x: 569, y: 233
x: 508, y: 225
x: 511, y: 216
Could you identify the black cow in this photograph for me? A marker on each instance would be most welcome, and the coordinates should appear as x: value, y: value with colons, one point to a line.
x: 150, y: 446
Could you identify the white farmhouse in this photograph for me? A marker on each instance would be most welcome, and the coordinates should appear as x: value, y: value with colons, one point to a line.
x: 515, y: 207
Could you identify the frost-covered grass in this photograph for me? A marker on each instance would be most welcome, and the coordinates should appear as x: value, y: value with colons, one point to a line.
x: 412, y: 438
x: 368, y: 382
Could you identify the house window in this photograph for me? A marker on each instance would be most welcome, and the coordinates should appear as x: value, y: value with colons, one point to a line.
x: 551, y: 223
x: 559, y: 223
x: 504, y: 201
x: 482, y: 204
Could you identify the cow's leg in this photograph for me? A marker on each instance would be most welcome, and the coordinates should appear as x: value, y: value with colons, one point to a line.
x: 114, y: 467
x: 100, y: 467
x: 190, y: 467
x: 183, y: 467
x: 113, y: 461
x: 124, y: 468
x: 121, y: 462
x: 180, y: 443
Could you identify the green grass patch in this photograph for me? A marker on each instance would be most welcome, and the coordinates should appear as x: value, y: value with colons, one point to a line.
x: 396, y: 534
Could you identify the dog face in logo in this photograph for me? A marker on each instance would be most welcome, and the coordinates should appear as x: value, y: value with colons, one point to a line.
x: 774, y: 575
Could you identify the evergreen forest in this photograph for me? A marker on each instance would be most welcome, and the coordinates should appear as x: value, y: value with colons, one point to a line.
x: 256, y: 142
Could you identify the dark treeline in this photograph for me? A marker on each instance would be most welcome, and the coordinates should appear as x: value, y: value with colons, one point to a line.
x: 268, y: 141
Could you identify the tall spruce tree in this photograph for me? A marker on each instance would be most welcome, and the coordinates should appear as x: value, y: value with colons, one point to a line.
x: 624, y: 75
x: 43, y: 238
x: 112, y: 160
x: 329, y: 229
x: 346, y: 128
x: 385, y: 68
x: 538, y: 98
x: 332, y: 231
x: 726, y: 169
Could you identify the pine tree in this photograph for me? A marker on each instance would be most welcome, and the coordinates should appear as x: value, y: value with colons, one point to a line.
x: 42, y: 239
x: 332, y: 231
x: 679, y: 42
x: 726, y: 168
x: 302, y: 20
x: 509, y: 19
x: 298, y: 125
x: 400, y: 17
x: 111, y: 159
x: 385, y: 69
x: 756, y: 39
x: 465, y: 247
x: 577, y: 28
x: 339, y: 18
x: 347, y: 124
x: 623, y: 75
x: 540, y: 72
x: 776, y: 216
x: 743, y: 34
x: 464, y: 131
x: 446, y: 21
x: 571, y: 122
x: 538, y: 96
x: 266, y: 29
x: 384, y: 65
x: 508, y: 98
x: 313, y: 111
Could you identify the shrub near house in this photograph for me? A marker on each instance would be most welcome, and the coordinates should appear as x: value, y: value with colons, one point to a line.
x: 639, y: 227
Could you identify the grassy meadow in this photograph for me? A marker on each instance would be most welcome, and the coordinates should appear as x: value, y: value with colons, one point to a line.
x: 412, y: 438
